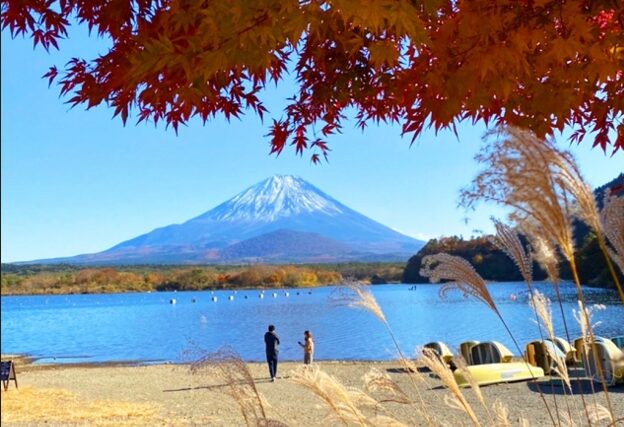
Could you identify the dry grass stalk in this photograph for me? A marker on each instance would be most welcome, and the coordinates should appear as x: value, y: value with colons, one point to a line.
x: 541, y: 305
x: 380, y: 382
x: 508, y: 241
x: 462, y: 274
x: 462, y: 366
x: 227, y: 366
x: 502, y: 414
x: 525, y: 173
x: 566, y: 419
x: 561, y: 368
x: 538, y: 182
x: 436, y: 364
x: 544, y: 254
x: 598, y: 413
x: 612, y: 216
x: 584, y: 317
x: 344, y: 403
x: 356, y: 295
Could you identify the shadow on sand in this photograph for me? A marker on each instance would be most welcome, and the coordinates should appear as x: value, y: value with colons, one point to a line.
x: 224, y: 385
x: 579, y: 385
x: 421, y: 369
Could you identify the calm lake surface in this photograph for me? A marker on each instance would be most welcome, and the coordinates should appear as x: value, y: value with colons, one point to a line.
x: 145, y: 327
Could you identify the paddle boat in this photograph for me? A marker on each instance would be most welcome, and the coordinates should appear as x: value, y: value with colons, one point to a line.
x: 581, y: 343
x: 565, y: 347
x: 544, y: 354
x: 464, y: 349
x: 493, y: 373
x: 611, y: 360
x: 489, y: 352
x: 441, y: 349
x: 618, y: 341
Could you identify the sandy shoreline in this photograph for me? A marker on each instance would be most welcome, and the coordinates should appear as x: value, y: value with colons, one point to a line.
x: 171, y: 395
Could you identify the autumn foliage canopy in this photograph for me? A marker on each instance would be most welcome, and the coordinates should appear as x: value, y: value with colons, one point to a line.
x: 537, y: 64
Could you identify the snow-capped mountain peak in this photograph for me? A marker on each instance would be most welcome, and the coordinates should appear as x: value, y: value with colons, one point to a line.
x: 281, y: 219
x: 277, y: 197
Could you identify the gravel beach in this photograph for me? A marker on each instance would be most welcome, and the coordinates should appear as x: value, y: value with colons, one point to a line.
x: 62, y: 395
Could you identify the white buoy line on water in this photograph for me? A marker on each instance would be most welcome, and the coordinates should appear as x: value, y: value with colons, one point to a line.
x: 214, y: 298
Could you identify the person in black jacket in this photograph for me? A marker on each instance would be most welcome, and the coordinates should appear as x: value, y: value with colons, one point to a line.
x: 271, y: 341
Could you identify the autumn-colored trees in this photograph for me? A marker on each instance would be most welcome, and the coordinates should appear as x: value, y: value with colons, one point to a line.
x: 74, y: 280
x: 537, y: 64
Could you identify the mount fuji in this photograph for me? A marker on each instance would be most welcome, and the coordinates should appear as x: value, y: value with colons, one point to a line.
x: 281, y: 219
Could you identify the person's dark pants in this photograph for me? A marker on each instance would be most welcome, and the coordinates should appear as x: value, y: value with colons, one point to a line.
x: 272, y: 361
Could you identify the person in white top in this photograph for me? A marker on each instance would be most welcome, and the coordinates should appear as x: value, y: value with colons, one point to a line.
x: 308, y: 348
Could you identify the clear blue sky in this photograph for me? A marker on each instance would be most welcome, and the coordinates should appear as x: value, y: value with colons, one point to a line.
x: 77, y: 182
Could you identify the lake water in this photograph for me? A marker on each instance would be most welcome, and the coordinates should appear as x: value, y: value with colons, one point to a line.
x: 145, y: 327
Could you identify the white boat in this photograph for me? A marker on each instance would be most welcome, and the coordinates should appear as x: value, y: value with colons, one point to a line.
x: 611, y: 360
x: 618, y: 341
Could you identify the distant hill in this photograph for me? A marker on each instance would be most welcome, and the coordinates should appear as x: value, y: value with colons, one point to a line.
x: 487, y: 259
x: 493, y: 264
x: 282, y: 218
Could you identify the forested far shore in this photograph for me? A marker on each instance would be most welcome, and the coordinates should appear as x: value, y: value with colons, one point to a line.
x: 37, y: 279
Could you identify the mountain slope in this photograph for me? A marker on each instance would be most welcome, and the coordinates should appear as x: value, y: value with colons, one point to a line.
x: 280, y: 203
x: 286, y: 246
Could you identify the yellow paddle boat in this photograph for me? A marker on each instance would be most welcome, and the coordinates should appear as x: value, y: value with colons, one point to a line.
x: 493, y: 373
x: 565, y: 347
x: 489, y: 352
x: 544, y: 354
x: 464, y: 349
x: 441, y: 350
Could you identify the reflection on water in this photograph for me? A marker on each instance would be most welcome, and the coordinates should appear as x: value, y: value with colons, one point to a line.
x: 147, y: 327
